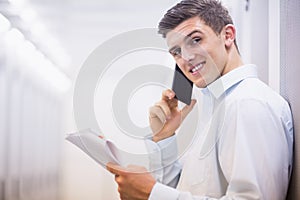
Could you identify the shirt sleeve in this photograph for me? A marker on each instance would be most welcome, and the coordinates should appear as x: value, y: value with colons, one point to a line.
x: 254, y: 154
x: 163, y: 160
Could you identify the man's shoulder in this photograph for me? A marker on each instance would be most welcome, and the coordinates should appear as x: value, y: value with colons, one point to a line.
x: 253, y: 89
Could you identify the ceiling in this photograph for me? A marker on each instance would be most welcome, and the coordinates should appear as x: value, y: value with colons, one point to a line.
x: 80, y: 26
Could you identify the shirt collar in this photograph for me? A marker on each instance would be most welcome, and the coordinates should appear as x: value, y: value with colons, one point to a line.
x: 222, y: 84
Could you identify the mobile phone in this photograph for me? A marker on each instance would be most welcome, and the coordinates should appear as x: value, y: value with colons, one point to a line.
x: 182, y: 86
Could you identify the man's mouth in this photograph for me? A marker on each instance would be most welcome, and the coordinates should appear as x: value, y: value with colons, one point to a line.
x: 196, y: 68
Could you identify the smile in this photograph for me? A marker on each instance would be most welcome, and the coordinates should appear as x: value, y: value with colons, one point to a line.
x: 197, y: 68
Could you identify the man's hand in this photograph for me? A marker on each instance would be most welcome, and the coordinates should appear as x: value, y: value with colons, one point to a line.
x: 165, y: 116
x: 134, y: 182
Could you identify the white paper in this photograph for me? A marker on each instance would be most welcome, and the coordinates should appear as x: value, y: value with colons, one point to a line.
x: 97, y: 147
x: 104, y: 150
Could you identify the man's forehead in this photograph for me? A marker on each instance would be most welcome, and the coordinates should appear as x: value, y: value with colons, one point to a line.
x: 185, y: 29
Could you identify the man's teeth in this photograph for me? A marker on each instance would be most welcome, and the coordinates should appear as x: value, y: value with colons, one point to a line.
x: 196, y: 68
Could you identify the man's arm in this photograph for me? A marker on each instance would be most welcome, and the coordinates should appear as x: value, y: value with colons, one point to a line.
x: 165, y: 117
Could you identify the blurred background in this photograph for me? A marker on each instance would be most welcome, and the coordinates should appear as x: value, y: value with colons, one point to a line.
x: 43, y: 44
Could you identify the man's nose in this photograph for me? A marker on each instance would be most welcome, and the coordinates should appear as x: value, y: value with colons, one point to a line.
x: 187, y: 54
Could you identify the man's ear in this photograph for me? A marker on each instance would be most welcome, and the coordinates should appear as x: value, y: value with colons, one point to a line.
x: 229, y: 35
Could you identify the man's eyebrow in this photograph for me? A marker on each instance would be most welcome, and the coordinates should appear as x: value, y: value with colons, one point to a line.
x: 186, y: 37
x: 194, y: 31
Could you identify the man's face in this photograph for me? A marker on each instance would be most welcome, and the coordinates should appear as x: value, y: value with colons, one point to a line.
x: 199, y: 52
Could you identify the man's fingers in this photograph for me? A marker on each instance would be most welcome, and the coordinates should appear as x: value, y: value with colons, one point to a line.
x: 169, y: 97
x: 163, y: 105
x: 168, y: 94
x: 114, y: 168
x: 187, y: 109
x: 137, y: 169
x: 162, y: 109
x: 173, y: 103
x: 157, y: 112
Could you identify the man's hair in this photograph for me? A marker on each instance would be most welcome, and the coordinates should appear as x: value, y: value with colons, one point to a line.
x: 210, y: 11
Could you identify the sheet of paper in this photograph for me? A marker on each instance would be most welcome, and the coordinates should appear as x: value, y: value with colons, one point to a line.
x: 93, y: 144
x: 103, y: 150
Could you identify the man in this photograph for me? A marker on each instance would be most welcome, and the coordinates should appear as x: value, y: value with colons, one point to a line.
x: 244, y: 147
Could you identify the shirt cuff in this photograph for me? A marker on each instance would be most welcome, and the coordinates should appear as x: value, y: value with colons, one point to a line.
x: 164, y: 152
x: 160, y: 191
x: 169, y: 152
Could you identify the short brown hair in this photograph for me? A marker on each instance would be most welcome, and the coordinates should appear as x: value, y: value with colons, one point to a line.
x: 210, y: 11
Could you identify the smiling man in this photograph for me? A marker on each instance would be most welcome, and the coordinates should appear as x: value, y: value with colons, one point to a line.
x: 245, y: 138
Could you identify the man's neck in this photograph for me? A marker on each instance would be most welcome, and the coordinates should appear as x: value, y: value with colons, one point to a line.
x: 234, y: 60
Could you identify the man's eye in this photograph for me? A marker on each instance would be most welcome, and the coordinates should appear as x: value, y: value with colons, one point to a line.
x: 176, y: 52
x: 196, y: 40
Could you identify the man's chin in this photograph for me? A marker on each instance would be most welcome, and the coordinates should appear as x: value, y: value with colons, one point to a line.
x: 201, y: 84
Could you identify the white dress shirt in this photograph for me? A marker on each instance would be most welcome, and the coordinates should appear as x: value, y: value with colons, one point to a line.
x: 243, y: 149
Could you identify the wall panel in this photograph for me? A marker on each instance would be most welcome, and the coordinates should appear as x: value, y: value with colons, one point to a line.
x: 290, y: 81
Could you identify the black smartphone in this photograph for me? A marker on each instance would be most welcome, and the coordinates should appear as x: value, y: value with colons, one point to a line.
x: 182, y: 86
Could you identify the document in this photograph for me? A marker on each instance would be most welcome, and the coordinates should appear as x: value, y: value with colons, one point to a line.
x: 103, y: 150
x: 96, y: 146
